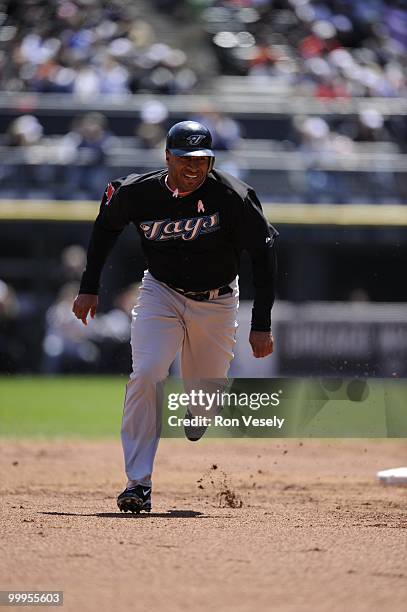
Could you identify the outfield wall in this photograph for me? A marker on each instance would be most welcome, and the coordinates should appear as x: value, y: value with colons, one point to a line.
x: 329, y: 339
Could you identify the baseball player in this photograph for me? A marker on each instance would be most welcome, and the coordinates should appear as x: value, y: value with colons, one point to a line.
x: 193, y: 222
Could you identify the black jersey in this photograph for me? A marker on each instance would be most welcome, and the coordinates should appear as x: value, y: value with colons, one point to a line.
x: 192, y: 242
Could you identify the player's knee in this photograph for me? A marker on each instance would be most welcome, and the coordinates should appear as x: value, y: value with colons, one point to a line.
x: 148, y: 374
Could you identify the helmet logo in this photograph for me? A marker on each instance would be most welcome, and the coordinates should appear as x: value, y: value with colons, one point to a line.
x: 195, y: 139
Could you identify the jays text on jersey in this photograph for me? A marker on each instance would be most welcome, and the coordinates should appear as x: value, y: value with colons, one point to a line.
x: 192, y: 242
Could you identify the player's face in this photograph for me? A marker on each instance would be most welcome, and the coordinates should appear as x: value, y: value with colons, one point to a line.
x: 186, y: 173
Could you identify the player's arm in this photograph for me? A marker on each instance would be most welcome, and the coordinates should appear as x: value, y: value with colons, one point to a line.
x: 112, y: 218
x: 264, y: 265
x: 258, y: 238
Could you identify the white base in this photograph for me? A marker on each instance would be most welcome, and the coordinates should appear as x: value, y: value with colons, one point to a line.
x: 395, y: 476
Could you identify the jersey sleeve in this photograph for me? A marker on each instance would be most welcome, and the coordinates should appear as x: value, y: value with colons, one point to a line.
x: 256, y: 235
x: 264, y: 265
x: 114, y: 215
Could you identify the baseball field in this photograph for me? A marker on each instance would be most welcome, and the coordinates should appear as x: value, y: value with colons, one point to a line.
x: 237, y: 524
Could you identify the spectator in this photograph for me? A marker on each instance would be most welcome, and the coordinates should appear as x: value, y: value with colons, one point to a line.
x: 152, y: 130
x: 225, y: 131
x: 317, y: 146
x: 370, y: 127
x: 73, y: 260
x: 11, y: 346
x: 85, y: 147
x: 67, y: 345
x: 113, y: 332
x: 23, y: 175
x: 226, y: 136
x: 24, y: 131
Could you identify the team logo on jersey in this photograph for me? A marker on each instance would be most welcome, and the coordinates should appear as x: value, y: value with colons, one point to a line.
x: 201, y: 206
x: 186, y: 229
x: 195, y: 139
x: 109, y: 193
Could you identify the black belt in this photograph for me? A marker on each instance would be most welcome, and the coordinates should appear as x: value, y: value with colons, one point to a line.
x: 201, y: 296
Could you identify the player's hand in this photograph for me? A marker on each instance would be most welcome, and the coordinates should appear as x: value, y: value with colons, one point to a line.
x: 262, y: 343
x: 85, y: 304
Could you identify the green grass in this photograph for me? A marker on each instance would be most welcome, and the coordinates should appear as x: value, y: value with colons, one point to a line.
x: 68, y: 406
x: 91, y: 407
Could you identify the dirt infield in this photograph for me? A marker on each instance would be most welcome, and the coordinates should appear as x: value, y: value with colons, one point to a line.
x: 236, y: 525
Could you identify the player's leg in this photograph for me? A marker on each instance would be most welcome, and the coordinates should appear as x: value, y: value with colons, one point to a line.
x: 156, y: 335
x: 207, y: 350
x: 209, y: 339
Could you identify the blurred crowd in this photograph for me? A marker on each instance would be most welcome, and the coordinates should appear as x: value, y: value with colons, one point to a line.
x: 322, y: 48
x: 327, y: 49
x: 87, y: 48
x: 312, y: 159
x: 46, y: 337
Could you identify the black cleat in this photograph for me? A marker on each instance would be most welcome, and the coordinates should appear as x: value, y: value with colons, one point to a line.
x: 193, y: 433
x: 135, y: 499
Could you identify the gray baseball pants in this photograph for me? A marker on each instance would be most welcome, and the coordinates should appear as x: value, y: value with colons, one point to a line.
x: 164, y: 322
